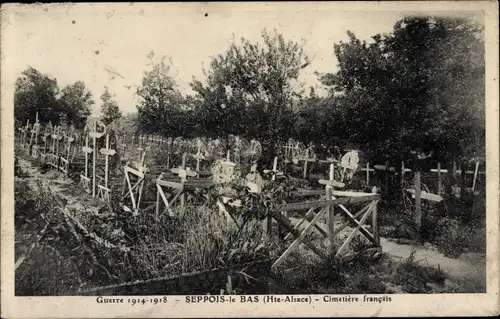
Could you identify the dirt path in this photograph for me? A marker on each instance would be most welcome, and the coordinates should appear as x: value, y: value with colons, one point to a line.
x: 59, y: 184
x: 469, y: 269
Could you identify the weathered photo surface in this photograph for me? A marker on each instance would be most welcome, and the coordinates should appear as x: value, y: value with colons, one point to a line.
x: 250, y: 154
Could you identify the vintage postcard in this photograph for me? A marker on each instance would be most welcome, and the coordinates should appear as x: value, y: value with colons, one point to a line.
x: 259, y: 159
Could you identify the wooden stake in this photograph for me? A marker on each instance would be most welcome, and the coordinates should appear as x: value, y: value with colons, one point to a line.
x: 375, y: 230
x: 275, y: 168
x: 418, y: 207
x: 305, y: 164
x: 183, y: 196
x: 439, y: 178
x: 330, y: 211
x: 94, y: 157
x: 475, y: 176
x: 367, y: 173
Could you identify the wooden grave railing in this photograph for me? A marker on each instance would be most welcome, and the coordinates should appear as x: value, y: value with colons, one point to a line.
x: 68, y: 138
x: 47, y: 135
x: 54, y: 154
x: 133, y: 183
x: 185, y: 181
x: 327, y: 209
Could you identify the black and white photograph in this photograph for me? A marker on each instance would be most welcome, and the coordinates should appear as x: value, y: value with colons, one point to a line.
x: 254, y: 153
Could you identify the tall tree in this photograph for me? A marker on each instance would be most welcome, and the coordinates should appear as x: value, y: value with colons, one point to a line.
x: 419, y: 87
x: 254, y: 83
x: 160, y: 102
x: 36, y: 92
x: 76, y: 101
x: 110, y: 111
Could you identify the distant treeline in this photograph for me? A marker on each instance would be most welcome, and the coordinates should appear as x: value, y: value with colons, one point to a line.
x: 420, y: 87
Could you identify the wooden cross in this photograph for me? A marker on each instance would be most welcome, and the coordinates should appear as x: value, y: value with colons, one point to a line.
x: 255, y: 148
x: 307, y: 159
x: 46, y: 134
x: 104, y: 190
x: 85, y: 179
x: 34, y: 133
x: 64, y: 158
x: 56, y: 136
x: 331, y: 182
x: 274, y: 171
x: 198, y: 156
x: 439, y: 171
x: 183, y: 174
x: 95, y: 134
x: 290, y: 149
x: 367, y: 170
x: 24, y: 135
x: 268, y: 222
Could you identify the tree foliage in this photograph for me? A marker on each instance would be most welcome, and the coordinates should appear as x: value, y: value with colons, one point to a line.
x: 160, y: 102
x: 37, y: 92
x: 110, y: 111
x: 250, y: 88
x: 419, y: 87
x: 76, y: 101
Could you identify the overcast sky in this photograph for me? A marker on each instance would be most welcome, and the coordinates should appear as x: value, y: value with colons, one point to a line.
x: 81, y: 42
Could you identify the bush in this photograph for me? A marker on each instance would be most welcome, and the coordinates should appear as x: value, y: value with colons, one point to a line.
x: 452, y: 236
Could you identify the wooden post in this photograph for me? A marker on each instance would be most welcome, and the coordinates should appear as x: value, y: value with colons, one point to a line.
x: 386, y: 177
x: 268, y: 221
x: 106, y: 172
x: 462, y: 180
x: 367, y: 173
x: 268, y: 225
x: 158, y: 201
x: 305, y: 164
x: 86, y: 156
x: 475, y: 176
x: 330, y: 211
x: 439, y: 178
x: 94, y: 159
x: 183, y: 196
x: 198, y: 155
x: 375, y: 230
x: 418, y: 207
x: 401, y: 182
x: 275, y: 168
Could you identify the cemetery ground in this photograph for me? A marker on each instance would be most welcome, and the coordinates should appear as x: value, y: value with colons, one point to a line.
x: 54, y: 255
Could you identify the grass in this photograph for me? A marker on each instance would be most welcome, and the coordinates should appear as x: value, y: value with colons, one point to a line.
x: 64, y: 260
x: 359, y: 276
x: 198, y: 238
